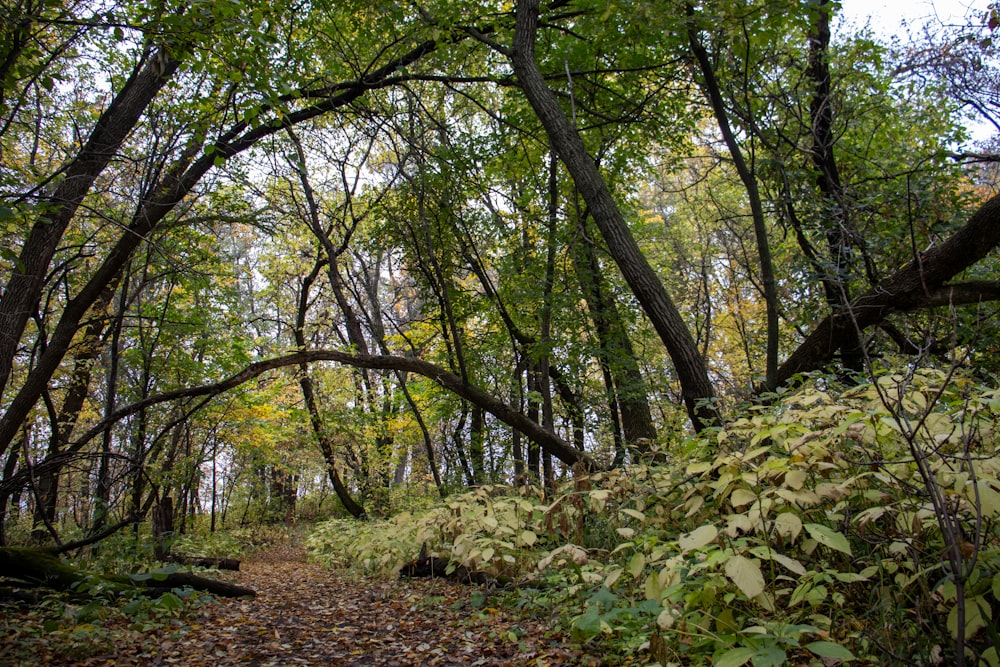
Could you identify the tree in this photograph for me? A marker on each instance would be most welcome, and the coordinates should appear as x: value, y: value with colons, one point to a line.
x: 697, y: 390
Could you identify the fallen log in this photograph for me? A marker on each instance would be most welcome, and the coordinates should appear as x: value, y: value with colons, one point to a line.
x: 204, y: 561
x: 44, y: 568
x: 431, y: 566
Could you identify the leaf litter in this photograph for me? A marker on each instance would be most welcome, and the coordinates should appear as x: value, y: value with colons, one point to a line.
x: 304, y: 614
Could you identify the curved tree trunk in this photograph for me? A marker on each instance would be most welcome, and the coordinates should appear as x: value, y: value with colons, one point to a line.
x: 697, y: 391
x: 173, y: 187
x: 558, y: 447
x: 919, y: 284
x: 19, y: 301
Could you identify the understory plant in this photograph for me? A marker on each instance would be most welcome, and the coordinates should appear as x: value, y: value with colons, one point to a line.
x: 819, y: 529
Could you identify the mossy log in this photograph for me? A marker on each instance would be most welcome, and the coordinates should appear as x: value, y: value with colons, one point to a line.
x: 44, y: 568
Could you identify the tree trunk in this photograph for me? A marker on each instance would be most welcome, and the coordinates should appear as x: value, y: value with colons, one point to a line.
x: 840, y: 233
x: 163, y: 527
x: 40, y: 567
x: 627, y: 390
x: 19, y: 300
x: 232, y: 564
x: 309, y: 396
x: 696, y: 389
x: 558, y: 447
x: 919, y: 284
x: 710, y: 85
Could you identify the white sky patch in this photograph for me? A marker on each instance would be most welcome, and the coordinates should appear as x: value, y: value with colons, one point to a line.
x: 891, y: 17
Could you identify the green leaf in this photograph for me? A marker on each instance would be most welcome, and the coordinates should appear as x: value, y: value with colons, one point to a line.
x: 829, y: 650
x: 828, y: 537
x: 587, y: 624
x: 735, y: 657
x: 12, y: 258
x: 769, y: 656
x: 170, y: 601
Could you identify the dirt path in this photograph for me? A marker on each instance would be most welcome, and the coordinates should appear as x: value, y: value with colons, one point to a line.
x: 306, y: 615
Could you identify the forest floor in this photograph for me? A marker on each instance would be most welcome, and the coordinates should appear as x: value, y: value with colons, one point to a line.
x: 304, y: 614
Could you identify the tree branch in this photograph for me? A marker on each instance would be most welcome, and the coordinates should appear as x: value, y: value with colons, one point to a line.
x: 446, y: 379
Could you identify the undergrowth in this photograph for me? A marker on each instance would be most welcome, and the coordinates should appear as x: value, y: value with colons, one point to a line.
x: 801, y: 534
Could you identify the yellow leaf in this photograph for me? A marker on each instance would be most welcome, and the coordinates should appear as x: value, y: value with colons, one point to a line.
x: 794, y: 479
x: 742, y: 497
x: 698, y: 537
x: 738, y: 524
x: 666, y: 619
x: 636, y: 565
x: 746, y: 574
x: 612, y: 577
x: 788, y: 525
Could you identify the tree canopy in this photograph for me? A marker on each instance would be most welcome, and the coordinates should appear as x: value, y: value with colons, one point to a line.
x: 268, y: 247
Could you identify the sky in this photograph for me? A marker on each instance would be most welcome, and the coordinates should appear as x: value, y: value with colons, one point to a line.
x: 887, y: 15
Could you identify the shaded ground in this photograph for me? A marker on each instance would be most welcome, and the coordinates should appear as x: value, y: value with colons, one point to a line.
x: 306, y: 615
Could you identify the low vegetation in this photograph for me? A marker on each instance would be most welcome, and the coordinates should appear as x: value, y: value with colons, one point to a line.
x: 804, y: 531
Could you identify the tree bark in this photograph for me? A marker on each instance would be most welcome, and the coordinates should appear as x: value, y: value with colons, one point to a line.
x: 309, y: 396
x: 163, y: 527
x: 713, y: 92
x: 627, y: 389
x: 232, y: 564
x: 840, y: 234
x: 696, y: 388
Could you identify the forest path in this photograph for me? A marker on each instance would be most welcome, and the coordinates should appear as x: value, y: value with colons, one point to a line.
x: 304, y: 614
